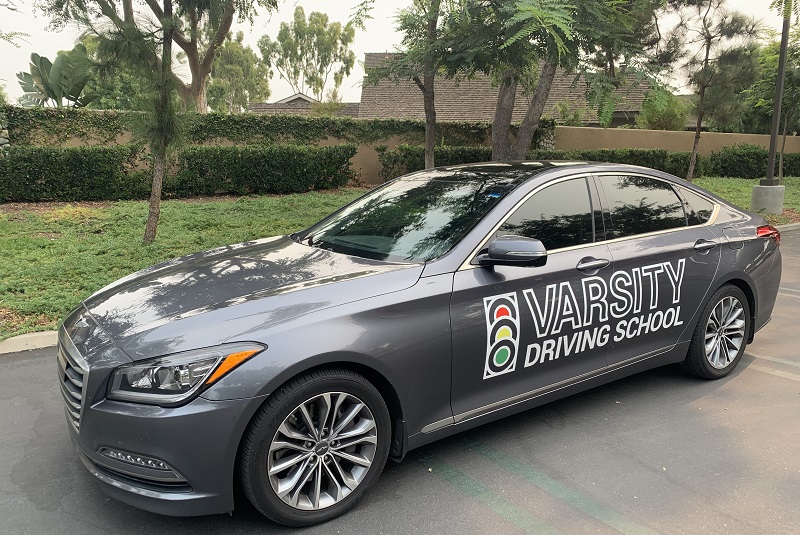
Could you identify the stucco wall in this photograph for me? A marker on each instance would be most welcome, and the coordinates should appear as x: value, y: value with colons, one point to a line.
x: 577, y: 137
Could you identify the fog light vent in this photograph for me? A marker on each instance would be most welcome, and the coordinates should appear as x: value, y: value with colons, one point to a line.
x: 132, y: 458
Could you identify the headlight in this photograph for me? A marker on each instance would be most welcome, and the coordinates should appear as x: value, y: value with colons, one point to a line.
x: 173, y: 379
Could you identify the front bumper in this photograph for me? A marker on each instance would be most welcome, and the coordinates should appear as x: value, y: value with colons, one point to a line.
x: 177, y: 461
x: 197, y: 442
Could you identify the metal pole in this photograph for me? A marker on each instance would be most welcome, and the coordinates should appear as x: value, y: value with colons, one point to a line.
x: 776, y: 114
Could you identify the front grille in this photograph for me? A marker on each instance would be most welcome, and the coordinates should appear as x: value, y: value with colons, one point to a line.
x: 71, y: 378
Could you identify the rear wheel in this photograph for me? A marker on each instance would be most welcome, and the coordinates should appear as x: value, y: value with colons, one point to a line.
x: 720, y: 337
x: 315, y: 447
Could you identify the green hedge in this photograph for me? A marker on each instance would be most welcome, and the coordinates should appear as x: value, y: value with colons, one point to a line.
x: 741, y: 161
x: 408, y: 158
x: 260, y: 169
x: 56, y: 126
x: 71, y: 174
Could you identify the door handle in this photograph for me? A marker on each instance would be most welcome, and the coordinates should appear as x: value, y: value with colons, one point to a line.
x: 702, y: 245
x: 592, y: 264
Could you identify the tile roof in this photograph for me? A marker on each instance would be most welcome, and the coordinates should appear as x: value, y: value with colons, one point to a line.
x: 475, y: 99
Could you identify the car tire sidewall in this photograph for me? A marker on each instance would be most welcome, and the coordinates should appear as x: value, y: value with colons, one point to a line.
x: 262, y: 431
x: 697, y: 360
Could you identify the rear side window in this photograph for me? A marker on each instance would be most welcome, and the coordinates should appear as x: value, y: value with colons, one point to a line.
x: 559, y: 216
x: 639, y: 205
x: 698, y: 209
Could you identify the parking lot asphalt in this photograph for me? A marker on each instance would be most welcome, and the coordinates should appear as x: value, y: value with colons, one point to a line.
x: 660, y: 452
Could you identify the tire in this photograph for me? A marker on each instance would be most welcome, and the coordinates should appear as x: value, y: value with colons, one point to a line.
x: 283, y: 461
x: 720, y: 337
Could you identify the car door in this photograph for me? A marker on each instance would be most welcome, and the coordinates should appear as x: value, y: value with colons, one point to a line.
x: 517, y: 330
x: 663, y: 265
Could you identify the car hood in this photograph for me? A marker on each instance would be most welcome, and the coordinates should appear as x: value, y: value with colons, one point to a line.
x: 207, y: 298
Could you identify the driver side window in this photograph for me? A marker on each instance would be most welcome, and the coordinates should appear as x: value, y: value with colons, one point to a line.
x: 559, y: 216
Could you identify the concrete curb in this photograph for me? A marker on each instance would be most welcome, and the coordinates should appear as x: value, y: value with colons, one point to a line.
x: 25, y: 342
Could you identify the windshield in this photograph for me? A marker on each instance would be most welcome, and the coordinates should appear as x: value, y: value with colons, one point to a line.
x: 414, y: 219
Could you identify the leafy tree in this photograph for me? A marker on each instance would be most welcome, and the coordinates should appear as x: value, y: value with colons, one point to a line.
x: 761, y: 97
x: 52, y: 83
x: 117, y: 84
x: 569, y: 116
x: 722, y: 62
x: 196, y: 19
x: 309, y: 53
x: 661, y: 110
x: 420, y: 59
x: 10, y: 37
x: 238, y: 77
x: 3, y: 95
x: 523, y: 43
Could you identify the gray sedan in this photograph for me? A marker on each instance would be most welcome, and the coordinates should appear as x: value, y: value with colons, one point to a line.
x: 293, y: 367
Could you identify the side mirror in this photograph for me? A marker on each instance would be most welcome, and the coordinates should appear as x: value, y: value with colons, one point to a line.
x: 513, y: 250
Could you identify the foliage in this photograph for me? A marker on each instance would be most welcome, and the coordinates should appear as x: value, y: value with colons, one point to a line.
x: 721, y: 62
x: 308, y: 52
x: 41, y: 126
x: 117, y: 84
x: 54, y: 259
x: 3, y: 95
x: 661, y: 110
x: 569, y: 116
x: 407, y: 158
x: 741, y: 161
x: 238, y: 77
x: 199, y: 29
x: 678, y: 164
x: 51, y: 83
x: 262, y: 169
x: 70, y: 174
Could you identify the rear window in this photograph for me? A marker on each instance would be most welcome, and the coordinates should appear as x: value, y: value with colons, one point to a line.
x: 698, y: 208
x: 640, y: 205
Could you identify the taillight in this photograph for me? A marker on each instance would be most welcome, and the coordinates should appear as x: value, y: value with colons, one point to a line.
x: 768, y: 231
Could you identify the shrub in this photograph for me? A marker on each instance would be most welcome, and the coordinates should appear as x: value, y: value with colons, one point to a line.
x: 742, y: 161
x: 678, y: 164
x: 260, y: 169
x: 409, y: 158
x: 71, y: 174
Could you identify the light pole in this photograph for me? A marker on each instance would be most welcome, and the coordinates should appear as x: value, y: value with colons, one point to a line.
x: 768, y: 195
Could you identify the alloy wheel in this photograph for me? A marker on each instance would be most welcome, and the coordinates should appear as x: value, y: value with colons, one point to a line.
x: 725, y: 331
x: 322, y: 451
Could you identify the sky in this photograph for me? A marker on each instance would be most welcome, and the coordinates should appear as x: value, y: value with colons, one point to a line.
x: 379, y: 36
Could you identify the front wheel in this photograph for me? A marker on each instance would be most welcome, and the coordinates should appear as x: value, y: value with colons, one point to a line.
x: 315, y: 447
x: 720, y: 337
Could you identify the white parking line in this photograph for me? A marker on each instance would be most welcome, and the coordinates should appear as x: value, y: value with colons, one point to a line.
x: 776, y: 373
x: 776, y: 359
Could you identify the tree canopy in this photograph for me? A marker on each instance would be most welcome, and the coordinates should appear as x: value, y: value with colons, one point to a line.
x: 199, y: 31
x: 310, y: 53
x: 238, y: 77
x: 10, y: 37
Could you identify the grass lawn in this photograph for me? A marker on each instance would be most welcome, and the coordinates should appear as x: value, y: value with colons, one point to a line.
x: 56, y: 254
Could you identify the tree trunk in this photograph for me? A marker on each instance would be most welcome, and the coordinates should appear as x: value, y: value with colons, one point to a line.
x: 150, y: 229
x: 696, y: 146
x: 530, y: 124
x: 430, y: 121
x: 501, y: 124
x: 160, y: 143
x: 199, y: 94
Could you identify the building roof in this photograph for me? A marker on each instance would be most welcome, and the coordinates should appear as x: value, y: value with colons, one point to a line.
x: 475, y: 99
x: 296, y: 98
